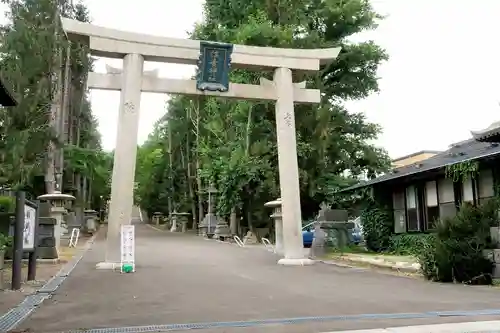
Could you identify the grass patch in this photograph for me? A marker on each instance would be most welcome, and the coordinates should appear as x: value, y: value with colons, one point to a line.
x: 353, y: 251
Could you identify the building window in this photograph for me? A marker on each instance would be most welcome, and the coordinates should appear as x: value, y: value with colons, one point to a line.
x: 398, y: 204
x: 485, y: 186
x: 431, y: 204
x: 446, y: 197
x: 412, y: 209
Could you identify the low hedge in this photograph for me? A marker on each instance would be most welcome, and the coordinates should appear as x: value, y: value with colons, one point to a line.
x: 377, y: 227
x: 7, y: 204
x: 409, y: 244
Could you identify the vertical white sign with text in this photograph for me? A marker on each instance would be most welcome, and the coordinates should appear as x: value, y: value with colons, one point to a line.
x: 128, y: 246
x: 29, y: 228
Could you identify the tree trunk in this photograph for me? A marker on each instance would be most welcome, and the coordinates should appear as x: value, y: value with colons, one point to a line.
x: 89, y: 194
x: 84, y: 192
x: 52, y: 167
x: 62, y: 131
x: 200, y: 194
x: 198, y: 177
x: 170, y: 166
x: 53, y: 173
x: 189, y: 172
x: 233, y: 222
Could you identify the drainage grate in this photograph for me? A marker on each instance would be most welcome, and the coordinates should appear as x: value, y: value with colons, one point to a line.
x: 68, y: 267
x: 286, y: 321
x: 15, y: 316
x: 33, y: 300
x: 52, y: 285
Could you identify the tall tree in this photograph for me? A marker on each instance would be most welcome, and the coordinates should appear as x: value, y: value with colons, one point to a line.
x: 35, y: 59
x: 235, y: 145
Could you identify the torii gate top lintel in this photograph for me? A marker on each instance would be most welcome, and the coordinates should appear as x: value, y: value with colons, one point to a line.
x: 112, y: 43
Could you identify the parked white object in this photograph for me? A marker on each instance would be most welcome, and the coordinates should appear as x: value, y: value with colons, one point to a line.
x: 239, y: 241
x: 268, y: 244
x: 75, y: 235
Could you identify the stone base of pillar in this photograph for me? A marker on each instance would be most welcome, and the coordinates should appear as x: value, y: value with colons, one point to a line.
x: 279, y: 250
x: 106, y: 265
x: 296, y: 262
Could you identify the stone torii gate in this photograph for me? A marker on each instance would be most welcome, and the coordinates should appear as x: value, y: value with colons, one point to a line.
x: 213, y: 60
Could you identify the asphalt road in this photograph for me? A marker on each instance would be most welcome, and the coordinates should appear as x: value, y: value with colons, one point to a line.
x: 185, y: 279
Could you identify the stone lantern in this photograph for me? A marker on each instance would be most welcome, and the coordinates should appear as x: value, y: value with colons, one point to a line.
x: 183, y: 220
x: 58, y: 210
x: 210, y: 224
x: 90, y: 217
x: 278, y: 224
x: 157, y: 216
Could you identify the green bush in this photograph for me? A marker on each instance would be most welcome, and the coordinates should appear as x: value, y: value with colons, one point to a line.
x: 377, y: 227
x: 456, y: 253
x: 409, y: 244
x: 5, y: 242
x: 7, y: 204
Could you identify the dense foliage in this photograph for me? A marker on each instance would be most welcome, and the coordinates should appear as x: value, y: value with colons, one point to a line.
x: 377, y: 226
x: 409, y: 244
x: 232, y: 144
x: 456, y: 253
x: 34, y: 147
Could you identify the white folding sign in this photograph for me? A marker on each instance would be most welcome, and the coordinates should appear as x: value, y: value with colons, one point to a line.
x: 127, y: 247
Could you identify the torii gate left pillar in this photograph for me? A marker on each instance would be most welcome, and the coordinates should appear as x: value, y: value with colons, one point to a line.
x: 135, y: 48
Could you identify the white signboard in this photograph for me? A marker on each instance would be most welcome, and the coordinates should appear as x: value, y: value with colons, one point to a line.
x: 127, y: 247
x: 29, y: 228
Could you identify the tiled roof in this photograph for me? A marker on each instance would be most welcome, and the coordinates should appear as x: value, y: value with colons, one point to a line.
x: 486, y: 135
x: 467, y: 150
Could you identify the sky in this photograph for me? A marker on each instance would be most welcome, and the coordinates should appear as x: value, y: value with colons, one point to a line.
x: 439, y: 83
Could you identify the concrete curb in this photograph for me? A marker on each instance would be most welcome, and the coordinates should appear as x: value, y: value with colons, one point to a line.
x: 480, y: 326
x: 353, y: 263
x: 154, y: 228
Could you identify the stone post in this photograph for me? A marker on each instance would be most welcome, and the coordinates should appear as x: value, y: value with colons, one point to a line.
x: 288, y: 170
x: 233, y: 222
x: 278, y: 224
x: 58, y: 202
x: 122, y: 182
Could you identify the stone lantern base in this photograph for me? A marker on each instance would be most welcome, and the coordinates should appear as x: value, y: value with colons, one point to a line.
x: 222, y: 230
x: 209, y: 224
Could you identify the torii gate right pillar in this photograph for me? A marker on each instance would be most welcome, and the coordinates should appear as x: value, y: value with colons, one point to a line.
x: 288, y: 170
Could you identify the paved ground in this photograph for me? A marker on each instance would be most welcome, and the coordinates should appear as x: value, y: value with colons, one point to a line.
x: 185, y: 279
x: 45, y: 270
